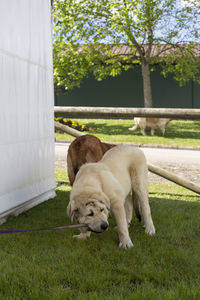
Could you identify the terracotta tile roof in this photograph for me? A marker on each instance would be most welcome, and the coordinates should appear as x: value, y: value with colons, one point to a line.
x: 156, y: 49
x: 105, y: 50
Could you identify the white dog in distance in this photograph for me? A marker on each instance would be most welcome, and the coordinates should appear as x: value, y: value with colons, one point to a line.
x: 153, y: 123
x: 105, y: 186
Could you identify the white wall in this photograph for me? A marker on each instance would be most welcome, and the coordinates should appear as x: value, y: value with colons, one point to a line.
x: 26, y: 105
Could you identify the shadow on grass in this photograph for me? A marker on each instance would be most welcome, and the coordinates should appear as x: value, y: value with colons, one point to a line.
x: 53, y: 212
x: 47, y: 214
x: 180, y: 196
x: 172, y: 131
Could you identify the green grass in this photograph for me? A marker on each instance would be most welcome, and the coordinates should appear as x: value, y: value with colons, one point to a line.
x: 52, y: 265
x: 178, y: 133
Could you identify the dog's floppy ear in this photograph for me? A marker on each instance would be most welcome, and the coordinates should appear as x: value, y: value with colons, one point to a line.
x: 72, y: 211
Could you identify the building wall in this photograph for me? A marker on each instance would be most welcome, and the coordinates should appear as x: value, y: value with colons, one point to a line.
x: 126, y: 90
x: 196, y: 95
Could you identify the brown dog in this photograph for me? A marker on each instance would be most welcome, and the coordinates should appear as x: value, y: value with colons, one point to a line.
x: 85, y: 149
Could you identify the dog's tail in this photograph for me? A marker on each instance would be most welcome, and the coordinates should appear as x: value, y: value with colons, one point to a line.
x: 134, y: 127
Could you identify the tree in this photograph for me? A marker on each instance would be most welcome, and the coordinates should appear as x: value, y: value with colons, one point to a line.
x: 89, y: 36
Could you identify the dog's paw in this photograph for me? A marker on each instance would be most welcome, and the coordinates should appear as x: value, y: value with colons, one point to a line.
x: 82, y: 235
x: 150, y: 230
x: 126, y: 243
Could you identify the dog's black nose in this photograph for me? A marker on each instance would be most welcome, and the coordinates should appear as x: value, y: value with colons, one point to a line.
x: 104, y: 226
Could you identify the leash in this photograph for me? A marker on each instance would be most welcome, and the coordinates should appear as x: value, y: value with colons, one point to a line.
x: 46, y: 228
x: 43, y: 229
x: 61, y: 183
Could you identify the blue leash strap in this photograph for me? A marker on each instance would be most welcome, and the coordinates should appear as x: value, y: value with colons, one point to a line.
x: 61, y: 183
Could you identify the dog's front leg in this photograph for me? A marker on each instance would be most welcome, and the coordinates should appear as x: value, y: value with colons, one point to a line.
x: 122, y: 227
x: 84, y: 234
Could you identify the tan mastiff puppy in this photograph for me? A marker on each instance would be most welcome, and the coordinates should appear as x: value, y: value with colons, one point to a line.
x: 85, y: 149
x: 104, y: 186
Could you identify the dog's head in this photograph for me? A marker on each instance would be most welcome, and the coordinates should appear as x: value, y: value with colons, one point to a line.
x: 92, y: 211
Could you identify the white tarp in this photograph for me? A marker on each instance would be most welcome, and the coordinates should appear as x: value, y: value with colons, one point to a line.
x: 26, y: 105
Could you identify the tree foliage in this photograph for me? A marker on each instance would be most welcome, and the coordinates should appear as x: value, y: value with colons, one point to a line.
x: 89, y: 36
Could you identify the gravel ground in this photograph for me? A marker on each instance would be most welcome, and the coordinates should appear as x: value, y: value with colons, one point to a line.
x: 192, y: 174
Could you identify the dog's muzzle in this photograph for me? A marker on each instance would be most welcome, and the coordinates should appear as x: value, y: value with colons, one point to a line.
x: 104, y: 226
x: 101, y: 229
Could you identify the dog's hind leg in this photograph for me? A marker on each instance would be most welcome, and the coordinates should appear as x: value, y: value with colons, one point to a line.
x: 136, y: 206
x: 142, y: 128
x: 152, y: 131
x: 146, y: 212
x: 140, y: 187
x: 128, y: 205
x: 163, y: 130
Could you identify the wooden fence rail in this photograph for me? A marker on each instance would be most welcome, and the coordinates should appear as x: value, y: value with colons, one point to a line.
x: 126, y: 112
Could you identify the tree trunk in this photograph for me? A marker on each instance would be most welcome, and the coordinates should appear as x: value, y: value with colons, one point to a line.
x: 146, y: 85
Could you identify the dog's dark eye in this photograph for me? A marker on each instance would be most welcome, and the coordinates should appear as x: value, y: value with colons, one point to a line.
x: 102, y: 209
x: 91, y: 214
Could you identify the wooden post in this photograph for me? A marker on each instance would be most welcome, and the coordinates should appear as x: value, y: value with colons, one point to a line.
x: 172, y: 177
x: 68, y: 129
x: 126, y: 112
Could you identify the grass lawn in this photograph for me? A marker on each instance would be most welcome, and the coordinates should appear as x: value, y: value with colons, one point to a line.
x: 52, y: 265
x: 178, y: 133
